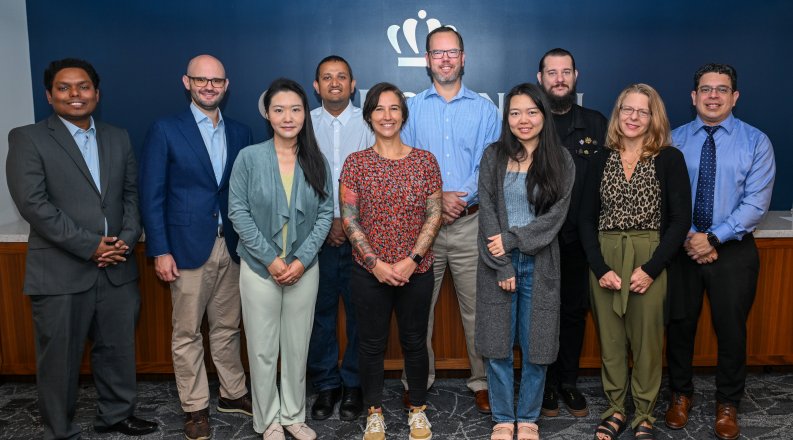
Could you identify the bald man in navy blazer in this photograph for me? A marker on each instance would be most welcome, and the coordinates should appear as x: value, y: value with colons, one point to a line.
x: 74, y: 180
x: 184, y: 171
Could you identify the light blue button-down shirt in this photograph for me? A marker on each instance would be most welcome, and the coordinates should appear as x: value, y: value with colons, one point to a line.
x: 337, y: 138
x: 745, y: 171
x: 456, y: 132
x: 214, y: 141
x: 86, y: 142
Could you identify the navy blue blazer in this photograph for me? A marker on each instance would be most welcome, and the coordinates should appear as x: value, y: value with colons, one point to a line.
x: 179, y: 196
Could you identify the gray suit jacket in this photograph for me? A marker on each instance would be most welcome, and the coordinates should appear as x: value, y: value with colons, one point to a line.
x: 52, y: 187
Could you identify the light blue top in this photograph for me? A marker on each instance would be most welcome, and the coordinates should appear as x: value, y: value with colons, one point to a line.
x: 745, y: 171
x: 338, y: 137
x: 519, y: 211
x: 258, y: 210
x: 86, y: 142
x: 214, y: 139
x: 456, y: 132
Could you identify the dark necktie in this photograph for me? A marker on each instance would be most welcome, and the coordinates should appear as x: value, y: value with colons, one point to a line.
x: 706, y: 183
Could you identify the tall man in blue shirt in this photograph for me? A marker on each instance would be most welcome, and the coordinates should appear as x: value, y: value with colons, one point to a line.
x: 731, y: 166
x: 340, y: 130
x: 455, y: 124
x: 184, y: 172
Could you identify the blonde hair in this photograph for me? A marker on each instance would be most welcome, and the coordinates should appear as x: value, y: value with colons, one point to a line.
x: 658, y: 135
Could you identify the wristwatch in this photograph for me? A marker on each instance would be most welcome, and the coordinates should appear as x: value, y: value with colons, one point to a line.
x: 713, y: 240
x: 416, y: 258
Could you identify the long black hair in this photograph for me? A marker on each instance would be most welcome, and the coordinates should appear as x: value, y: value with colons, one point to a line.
x: 308, y: 154
x: 545, y: 178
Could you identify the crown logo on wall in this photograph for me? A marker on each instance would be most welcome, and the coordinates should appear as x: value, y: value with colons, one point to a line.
x: 409, y: 32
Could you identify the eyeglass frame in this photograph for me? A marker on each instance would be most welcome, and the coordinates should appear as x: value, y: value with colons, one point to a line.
x: 629, y: 111
x: 705, y: 90
x: 197, y: 79
x: 448, y: 52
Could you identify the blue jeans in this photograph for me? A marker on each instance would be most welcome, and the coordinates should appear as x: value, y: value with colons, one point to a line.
x: 500, y: 373
x: 335, y: 264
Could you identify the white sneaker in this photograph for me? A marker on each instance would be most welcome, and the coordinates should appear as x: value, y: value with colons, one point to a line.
x: 419, y: 425
x: 301, y: 431
x: 375, y: 426
x: 274, y: 432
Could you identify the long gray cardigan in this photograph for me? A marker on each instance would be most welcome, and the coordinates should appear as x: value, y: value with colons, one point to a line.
x: 538, y: 238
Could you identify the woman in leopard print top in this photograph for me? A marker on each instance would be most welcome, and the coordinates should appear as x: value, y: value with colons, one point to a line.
x: 633, y: 220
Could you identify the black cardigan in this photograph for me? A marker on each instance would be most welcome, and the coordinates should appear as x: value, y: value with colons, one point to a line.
x: 672, y: 175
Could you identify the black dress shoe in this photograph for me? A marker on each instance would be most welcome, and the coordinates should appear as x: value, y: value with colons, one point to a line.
x: 130, y: 426
x: 323, y: 406
x: 351, y: 404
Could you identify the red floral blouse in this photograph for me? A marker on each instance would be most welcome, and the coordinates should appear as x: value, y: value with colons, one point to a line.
x: 392, y: 199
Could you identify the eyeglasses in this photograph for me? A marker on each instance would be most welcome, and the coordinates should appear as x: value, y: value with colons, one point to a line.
x: 628, y: 111
x: 200, y: 81
x: 438, y: 54
x: 722, y: 90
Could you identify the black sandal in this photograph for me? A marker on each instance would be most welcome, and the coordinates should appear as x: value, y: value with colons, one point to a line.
x: 606, y: 428
x: 644, y: 433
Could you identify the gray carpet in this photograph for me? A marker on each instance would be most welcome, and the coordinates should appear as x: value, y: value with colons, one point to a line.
x: 766, y: 413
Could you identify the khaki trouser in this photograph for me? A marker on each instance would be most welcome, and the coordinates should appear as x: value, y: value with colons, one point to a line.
x: 630, y: 321
x: 212, y: 288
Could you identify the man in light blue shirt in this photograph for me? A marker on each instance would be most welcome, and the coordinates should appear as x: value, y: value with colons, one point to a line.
x: 455, y: 124
x: 340, y: 130
x: 731, y: 167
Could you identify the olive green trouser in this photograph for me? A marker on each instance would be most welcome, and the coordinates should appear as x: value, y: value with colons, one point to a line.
x: 630, y: 321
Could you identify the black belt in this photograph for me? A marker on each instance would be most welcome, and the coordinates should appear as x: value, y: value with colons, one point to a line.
x: 469, y: 210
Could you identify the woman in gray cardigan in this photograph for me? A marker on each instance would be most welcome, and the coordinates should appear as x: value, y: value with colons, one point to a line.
x: 525, y: 179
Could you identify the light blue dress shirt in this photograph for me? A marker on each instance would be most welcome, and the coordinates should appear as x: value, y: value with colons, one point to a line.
x: 337, y: 138
x: 214, y: 141
x: 456, y: 132
x: 745, y: 171
x: 86, y: 142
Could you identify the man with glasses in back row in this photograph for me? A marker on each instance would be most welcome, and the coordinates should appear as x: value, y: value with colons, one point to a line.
x: 731, y: 167
x: 184, y: 173
x: 456, y: 125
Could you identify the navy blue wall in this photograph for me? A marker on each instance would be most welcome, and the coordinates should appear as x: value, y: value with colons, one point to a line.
x: 141, y: 48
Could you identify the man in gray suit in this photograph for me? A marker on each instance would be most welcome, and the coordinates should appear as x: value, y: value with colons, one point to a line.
x: 74, y: 180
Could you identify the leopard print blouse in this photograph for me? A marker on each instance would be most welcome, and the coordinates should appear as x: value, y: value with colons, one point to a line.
x: 629, y: 204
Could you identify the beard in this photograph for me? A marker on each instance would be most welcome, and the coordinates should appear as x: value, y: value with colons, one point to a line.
x: 562, y: 104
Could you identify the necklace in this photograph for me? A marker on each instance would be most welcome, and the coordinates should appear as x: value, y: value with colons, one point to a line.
x: 629, y: 164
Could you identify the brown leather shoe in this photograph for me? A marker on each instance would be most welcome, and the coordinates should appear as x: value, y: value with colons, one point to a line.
x: 677, y: 414
x: 726, y: 427
x: 196, y: 425
x: 482, y: 401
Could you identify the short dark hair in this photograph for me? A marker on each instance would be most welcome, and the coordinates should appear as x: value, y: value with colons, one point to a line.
x: 557, y: 52
x: 373, y: 97
x: 58, y: 65
x: 330, y: 58
x: 725, y: 69
x: 445, y: 29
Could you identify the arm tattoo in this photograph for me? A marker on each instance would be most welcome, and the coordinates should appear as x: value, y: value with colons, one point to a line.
x: 432, y: 223
x: 352, y: 227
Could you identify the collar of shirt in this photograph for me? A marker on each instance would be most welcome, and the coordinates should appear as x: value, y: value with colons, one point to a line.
x: 727, y: 125
x: 344, y: 117
x: 201, y: 118
x: 75, y: 130
x: 463, y: 93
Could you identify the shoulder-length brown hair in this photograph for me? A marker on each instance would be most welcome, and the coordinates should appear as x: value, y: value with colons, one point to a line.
x: 658, y: 134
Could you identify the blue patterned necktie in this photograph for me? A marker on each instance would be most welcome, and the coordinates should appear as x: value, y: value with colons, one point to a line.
x: 706, y: 183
